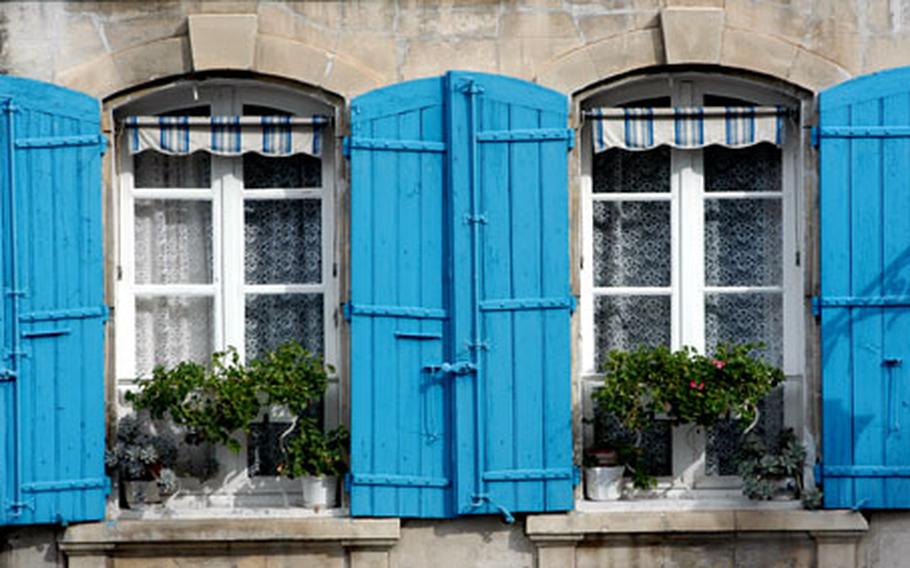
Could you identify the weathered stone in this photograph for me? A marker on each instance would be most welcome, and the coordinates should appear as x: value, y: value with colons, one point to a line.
x: 428, y: 58
x: 523, y: 57
x: 126, y: 33
x: 431, y: 21
x: 349, y: 80
x: 886, y: 52
x: 784, y: 20
x: 375, y: 51
x: 627, y: 52
x: 98, y: 77
x: 221, y: 7
x: 601, y: 26
x: 286, y: 58
x: 538, y: 25
x: 82, y: 35
x: 374, y: 15
x: 757, y: 52
x: 569, y: 73
x: 222, y: 41
x: 144, y: 63
x: 816, y: 73
x: 692, y: 35
x: 279, y: 20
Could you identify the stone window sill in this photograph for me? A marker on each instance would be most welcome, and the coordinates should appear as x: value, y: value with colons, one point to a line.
x: 198, y: 535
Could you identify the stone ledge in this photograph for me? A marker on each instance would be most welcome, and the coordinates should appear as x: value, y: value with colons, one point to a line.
x: 110, y: 536
x: 554, y: 527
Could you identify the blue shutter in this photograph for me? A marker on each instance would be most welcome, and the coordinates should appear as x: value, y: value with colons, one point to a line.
x: 864, y: 137
x: 400, y: 407
x: 460, y: 305
x: 509, y: 185
x: 52, y: 385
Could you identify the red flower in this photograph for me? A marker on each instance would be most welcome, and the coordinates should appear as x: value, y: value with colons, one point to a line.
x: 696, y: 386
x: 701, y: 386
x: 692, y: 385
x: 718, y: 363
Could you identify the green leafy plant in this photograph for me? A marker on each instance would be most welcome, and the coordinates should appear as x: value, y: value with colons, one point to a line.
x: 140, y: 455
x: 310, y: 451
x: 647, y: 384
x: 220, y: 402
x: 767, y: 470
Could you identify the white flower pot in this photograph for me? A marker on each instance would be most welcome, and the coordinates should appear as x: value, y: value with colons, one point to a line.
x: 140, y: 493
x: 319, y: 492
x: 604, y: 483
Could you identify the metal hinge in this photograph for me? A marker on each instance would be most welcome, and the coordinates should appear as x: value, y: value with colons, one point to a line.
x: 470, y: 87
x: 7, y: 375
x: 459, y: 368
x: 469, y: 219
x: 814, y: 136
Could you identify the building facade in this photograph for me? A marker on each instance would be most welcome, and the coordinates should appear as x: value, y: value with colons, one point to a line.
x: 663, y: 245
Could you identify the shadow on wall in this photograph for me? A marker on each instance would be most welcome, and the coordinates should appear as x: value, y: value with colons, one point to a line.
x: 3, y: 68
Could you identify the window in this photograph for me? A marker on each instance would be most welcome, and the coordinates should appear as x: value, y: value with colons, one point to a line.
x: 218, y: 252
x: 693, y: 248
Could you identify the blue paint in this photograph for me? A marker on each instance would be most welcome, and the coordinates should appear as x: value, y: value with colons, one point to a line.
x: 459, y: 238
x: 865, y: 316
x: 52, y: 406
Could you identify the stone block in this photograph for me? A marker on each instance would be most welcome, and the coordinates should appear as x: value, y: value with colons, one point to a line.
x: 277, y: 19
x: 349, y: 80
x: 373, y: 15
x: 537, y: 25
x: 430, y: 21
x: 569, y: 73
x: 126, y: 33
x: 886, y: 52
x: 785, y: 20
x: 816, y: 73
x: 222, y: 41
x: 291, y: 59
x: 97, y: 77
x: 145, y: 63
x: 522, y: 57
x: 627, y: 52
x: 757, y: 52
x: 82, y: 36
x: 430, y: 58
x: 692, y: 35
x: 601, y: 26
x: 375, y: 51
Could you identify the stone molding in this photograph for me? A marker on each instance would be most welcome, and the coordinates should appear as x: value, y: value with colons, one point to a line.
x: 366, y: 541
x: 692, y: 35
x: 222, y: 41
x: 836, y: 533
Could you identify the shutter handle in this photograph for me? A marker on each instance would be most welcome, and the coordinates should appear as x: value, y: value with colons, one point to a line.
x: 460, y: 368
x: 892, y: 362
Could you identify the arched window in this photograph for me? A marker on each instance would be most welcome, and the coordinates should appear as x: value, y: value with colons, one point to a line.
x: 217, y: 252
x: 684, y: 247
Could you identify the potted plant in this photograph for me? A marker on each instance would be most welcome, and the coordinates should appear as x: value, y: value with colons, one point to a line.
x: 142, y: 462
x: 318, y: 459
x: 603, y: 474
x: 775, y: 471
x: 684, y: 387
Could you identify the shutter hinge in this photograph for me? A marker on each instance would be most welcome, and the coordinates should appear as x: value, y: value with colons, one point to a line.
x: 17, y: 506
x: 816, y: 308
x: 102, y: 144
x: 469, y: 86
x: 478, y: 345
x: 16, y: 292
x: 814, y: 136
x: 576, y: 476
x: 346, y: 310
x: 7, y: 375
x: 9, y: 106
x: 469, y: 219
x: 571, y: 138
x: 346, y: 146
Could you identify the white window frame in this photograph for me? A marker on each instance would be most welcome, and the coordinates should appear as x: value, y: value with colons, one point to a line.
x: 689, y: 479
x: 232, y: 491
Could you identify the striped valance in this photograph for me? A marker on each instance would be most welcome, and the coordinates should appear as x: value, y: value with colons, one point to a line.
x: 685, y: 127
x: 226, y: 135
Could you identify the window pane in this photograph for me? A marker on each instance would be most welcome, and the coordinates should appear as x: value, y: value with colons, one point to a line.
x: 656, y: 442
x: 153, y: 169
x: 283, y: 241
x: 743, y: 318
x: 756, y: 168
x: 274, y: 319
x: 172, y: 329
x: 723, y: 441
x: 625, y: 322
x: 173, y: 241
x: 263, y: 172
x: 743, y: 242
x: 632, y: 243
x: 623, y: 171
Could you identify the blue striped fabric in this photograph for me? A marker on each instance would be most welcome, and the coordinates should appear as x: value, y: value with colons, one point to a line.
x: 227, y: 135
x: 686, y: 127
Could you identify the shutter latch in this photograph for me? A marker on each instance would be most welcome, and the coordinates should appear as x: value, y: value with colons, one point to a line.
x: 459, y: 368
x: 479, y: 499
x: 7, y: 375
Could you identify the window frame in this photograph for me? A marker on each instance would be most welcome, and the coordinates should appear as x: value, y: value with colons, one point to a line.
x: 688, y: 89
x: 232, y: 489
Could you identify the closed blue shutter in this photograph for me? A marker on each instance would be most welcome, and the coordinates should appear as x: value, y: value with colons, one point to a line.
x: 460, y: 305
x: 864, y: 137
x: 400, y: 409
x: 52, y: 386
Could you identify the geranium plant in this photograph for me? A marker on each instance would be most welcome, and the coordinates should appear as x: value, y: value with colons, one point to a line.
x: 683, y: 386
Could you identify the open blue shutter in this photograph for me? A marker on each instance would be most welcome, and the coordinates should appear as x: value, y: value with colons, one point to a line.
x: 52, y: 376
x: 864, y: 137
x: 460, y: 305
x: 400, y: 408
x: 509, y: 148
